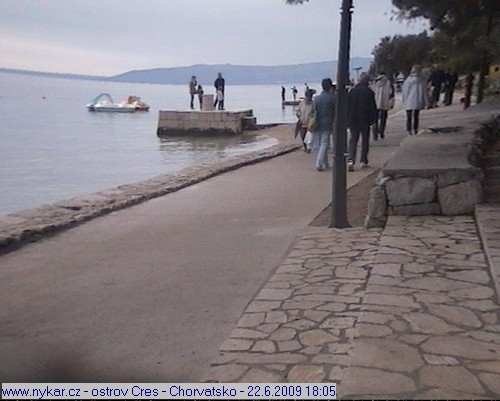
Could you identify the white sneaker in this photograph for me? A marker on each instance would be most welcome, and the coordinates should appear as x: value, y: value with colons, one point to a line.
x: 350, y: 165
x: 365, y: 165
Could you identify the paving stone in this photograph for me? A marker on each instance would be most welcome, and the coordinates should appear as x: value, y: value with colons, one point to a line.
x: 226, y: 373
x: 385, y: 354
x: 432, y: 359
x: 447, y: 394
x: 274, y: 294
x: 276, y: 317
x: 450, y: 377
x: 428, y: 324
x: 387, y: 299
x: 492, y: 381
x: 264, y: 346
x: 461, y: 347
x: 456, y: 315
x: 473, y: 293
x: 373, y: 330
x: 247, y: 333
x: 291, y: 345
x: 306, y: 374
x: 359, y: 381
x: 487, y: 366
x: 255, y: 375
x: 436, y: 283
x: 316, y: 337
x: 251, y: 319
x: 283, y: 334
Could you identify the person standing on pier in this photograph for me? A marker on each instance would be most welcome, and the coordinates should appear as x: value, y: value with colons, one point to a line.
x: 192, y: 90
x: 219, y: 84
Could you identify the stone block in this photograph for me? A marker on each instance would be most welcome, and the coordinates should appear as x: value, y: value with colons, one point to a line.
x: 422, y: 209
x: 377, y: 204
x: 410, y: 190
x: 455, y: 176
x: 460, y: 198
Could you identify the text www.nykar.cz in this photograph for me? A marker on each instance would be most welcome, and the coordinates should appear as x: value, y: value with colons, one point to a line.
x: 169, y: 391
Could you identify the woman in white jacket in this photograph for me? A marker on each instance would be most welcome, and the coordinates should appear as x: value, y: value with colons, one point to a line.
x: 415, y: 98
x: 384, y: 97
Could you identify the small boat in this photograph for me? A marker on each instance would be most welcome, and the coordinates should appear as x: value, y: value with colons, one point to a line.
x: 137, y: 103
x: 104, y: 102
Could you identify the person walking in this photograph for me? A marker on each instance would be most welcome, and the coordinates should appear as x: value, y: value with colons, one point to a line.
x: 450, y: 83
x: 192, y: 91
x: 414, y: 98
x: 220, y: 86
x: 324, y: 114
x: 384, y: 97
x: 304, y: 112
x: 362, y: 113
x: 436, y: 80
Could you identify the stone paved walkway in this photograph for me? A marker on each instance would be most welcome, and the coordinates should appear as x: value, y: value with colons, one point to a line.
x: 404, y: 312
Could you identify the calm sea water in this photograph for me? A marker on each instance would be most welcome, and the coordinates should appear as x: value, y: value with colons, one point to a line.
x: 54, y: 149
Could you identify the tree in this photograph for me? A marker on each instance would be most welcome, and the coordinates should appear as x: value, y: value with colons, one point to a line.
x: 467, y: 25
x: 399, y: 53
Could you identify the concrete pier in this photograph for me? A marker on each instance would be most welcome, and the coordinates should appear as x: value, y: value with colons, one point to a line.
x: 174, y: 122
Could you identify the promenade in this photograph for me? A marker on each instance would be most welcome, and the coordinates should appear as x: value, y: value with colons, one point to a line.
x: 225, y: 280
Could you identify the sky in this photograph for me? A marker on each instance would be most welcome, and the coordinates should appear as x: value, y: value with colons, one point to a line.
x: 109, y: 37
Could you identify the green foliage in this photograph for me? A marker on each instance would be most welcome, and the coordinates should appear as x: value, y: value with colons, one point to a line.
x: 462, y: 29
x: 399, y: 53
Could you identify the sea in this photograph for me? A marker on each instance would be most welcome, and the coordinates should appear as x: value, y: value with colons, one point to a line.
x: 54, y: 149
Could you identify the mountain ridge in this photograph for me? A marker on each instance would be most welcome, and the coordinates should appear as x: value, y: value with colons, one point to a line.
x: 206, y: 73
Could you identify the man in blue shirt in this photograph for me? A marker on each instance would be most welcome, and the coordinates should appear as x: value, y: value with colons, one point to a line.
x: 324, y: 107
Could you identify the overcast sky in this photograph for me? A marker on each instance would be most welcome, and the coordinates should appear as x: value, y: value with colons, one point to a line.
x: 108, y: 37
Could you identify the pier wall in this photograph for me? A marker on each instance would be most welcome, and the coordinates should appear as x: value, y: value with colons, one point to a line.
x: 174, y: 122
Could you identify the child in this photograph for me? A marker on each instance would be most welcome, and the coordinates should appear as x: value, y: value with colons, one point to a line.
x: 200, y: 95
x: 219, y: 99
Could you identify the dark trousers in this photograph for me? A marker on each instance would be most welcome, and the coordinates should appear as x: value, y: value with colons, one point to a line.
x: 191, y: 104
x: 412, y: 116
x: 220, y: 103
x: 356, y: 132
x: 380, y: 124
x: 436, y: 93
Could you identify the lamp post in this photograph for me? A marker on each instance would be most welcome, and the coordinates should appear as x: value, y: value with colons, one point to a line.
x: 339, y: 190
x: 357, y: 73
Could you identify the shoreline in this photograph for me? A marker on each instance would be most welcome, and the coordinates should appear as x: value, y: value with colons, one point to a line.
x: 30, y: 225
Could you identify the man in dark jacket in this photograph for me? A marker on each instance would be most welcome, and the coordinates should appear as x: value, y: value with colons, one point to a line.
x: 362, y: 113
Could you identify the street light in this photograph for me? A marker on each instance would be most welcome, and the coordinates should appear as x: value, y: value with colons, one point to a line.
x: 339, y: 190
x: 357, y: 73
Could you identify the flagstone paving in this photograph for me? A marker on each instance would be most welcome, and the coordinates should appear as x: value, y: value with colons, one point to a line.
x: 408, y: 311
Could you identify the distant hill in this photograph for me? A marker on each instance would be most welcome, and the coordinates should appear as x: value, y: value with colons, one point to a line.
x: 241, y: 74
x: 206, y: 74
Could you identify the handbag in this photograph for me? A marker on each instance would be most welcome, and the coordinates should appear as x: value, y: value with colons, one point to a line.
x: 308, y: 139
x: 391, y: 103
x: 313, y: 122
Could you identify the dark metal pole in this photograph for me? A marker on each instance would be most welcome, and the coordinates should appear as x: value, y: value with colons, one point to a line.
x: 339, y: 191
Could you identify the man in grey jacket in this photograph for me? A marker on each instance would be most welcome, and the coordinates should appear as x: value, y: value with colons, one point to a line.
x: 324, y: 108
